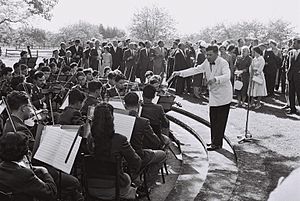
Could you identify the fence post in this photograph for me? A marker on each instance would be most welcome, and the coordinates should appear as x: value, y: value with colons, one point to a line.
x: 37, y: 53
x: 6, y: 52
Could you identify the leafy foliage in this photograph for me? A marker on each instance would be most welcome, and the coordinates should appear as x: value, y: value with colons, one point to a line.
x: 152, y: 23
x: 14, y: 11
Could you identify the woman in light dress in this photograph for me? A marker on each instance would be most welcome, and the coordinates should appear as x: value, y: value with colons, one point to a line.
x: 106, y: 58
x: 257, y: 87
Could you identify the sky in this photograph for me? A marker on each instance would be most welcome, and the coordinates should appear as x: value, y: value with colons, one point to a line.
x: 190, y: 15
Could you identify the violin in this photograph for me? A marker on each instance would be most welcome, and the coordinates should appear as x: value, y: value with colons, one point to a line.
x: 41, y: 115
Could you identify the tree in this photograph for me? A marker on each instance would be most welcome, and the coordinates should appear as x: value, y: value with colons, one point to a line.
x: 14, y: 11
x: 82, y: 30
x: 111, y: 32
x: 152, y: 23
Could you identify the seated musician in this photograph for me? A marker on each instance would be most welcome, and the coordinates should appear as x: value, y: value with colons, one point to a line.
x: 21, y: 110
x: 155, y: 81
x: 88, y: 74
x: 95, y: 75
x: 93, y: 97
x: 24, y: 69
x: 119, y: 88
x: 106, y: 71
x: 71, y: 114
x: 108, y: 144
x: 144, y: 141
x: 47, y: 72
x: 38, y: 98
x: 74, y: 67
x: 53, y: 67
x: 81, y: 82
x: 5, y: 84
x: 148, y: 75
x: 26, y: 184
x: 24, y: 57
x: 16, y: 69
x: 66, y: 70
x: 155, y: 113
x: 18, y: 102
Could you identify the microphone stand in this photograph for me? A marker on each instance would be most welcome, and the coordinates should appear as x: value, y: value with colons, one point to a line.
x: 247, y: 136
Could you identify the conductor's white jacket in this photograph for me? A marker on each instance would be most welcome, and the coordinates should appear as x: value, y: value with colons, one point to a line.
x: 220, y: 93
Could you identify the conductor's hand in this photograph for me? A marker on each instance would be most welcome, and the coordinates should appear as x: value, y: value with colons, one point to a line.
x: 212, y: 81
x: 176, y: 73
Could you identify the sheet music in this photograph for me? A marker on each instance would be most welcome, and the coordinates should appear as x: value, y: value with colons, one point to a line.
x: 155, y: 99
x: 117, y: 104
x: 55, y: 145
x: 2, y: 106
x: 124, y: 124
x: 65, y: 103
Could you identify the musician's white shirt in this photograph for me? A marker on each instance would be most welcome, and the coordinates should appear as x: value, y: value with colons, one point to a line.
x: 220, y: 93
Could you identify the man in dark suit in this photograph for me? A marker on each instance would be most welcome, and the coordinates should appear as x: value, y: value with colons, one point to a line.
x: 155, y: 113
x: 93, y: 97
x: 38, y: 98
x: 145, y: 60
x: 21, y: 110
x: 62, y: 50
x: 26, y: 184
x: 180, y: 63
x: 293, y: 75
x: 77, y: 51
x: 117, y: 55
x: 71, y: 114
x: 130, y: 59
x: 144, y: 137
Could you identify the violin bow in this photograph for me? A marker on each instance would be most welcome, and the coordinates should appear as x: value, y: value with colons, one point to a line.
x: 27, y: 92
x: 13, y: 125
x: 119, y: 96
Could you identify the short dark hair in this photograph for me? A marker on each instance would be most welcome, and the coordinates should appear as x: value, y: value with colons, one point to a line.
x: 16, y: 99
x: 37, y: 74
x: 94, y: 85
x: 45, y: 69
x: 75, y: 96
x: 80, y: 73
x: 120, y: 76
x: 213, y: 48
x: 65, y: 69
x: 23, y: 66
x: 131, y: 99
x: 77, y: 41
x: 258, y: 50
x: 23, y: 53
x: 6, y: 70
x: 230, y: 47
x: 149, y: 91
x: 111, y: 75
x: 16, y: 65
x: 52, y: 64
x: 95, y: 73
x: 13, y: 146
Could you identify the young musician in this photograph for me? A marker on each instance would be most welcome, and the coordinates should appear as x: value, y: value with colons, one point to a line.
x: 155, y: 113
x: 5, y: 85
x: 93, y: 98
x: 26, y: 184
x: 71, y: 114
x: 38, y: 99
x: 143, y: 139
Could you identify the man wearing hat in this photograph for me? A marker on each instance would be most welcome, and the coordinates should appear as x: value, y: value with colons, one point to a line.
x: 293, y: 75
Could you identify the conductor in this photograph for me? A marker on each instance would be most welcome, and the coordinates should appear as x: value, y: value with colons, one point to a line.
x: 217, y: 72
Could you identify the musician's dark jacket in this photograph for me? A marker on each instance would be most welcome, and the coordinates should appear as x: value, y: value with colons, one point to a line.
x: 143, y: 139
x: 89, y: 101
x: 26, y: 185
x: 155, y: 113
x: 119, y: 146
x: 71, y: 116
x: 180, y: 61
x: 20, y: 126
